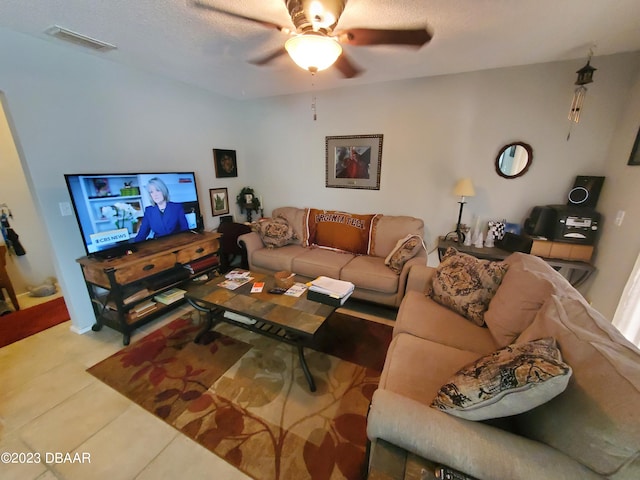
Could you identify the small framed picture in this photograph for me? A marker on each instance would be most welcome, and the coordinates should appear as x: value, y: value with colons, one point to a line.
x: 225, y: 163
x: 353, y: 161
x: 634, y: 158
x: 219, y: 201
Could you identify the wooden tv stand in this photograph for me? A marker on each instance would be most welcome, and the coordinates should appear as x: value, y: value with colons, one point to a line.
x: 122, y: 289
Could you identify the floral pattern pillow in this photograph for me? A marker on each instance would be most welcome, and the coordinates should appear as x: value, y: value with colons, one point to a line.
x: 275, y: 232
x: 406, y: 248
x: 466, y: 284
x: 509, y: 381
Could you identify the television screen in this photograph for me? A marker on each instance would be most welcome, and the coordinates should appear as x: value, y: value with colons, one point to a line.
x: 115, y: 211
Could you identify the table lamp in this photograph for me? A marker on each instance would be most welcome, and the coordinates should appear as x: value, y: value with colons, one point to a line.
x: 464, y: 188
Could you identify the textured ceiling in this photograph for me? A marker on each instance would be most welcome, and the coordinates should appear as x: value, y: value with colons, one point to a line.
x: 210, y: 50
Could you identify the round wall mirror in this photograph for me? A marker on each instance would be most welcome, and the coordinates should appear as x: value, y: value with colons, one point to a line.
x: 514, y: 160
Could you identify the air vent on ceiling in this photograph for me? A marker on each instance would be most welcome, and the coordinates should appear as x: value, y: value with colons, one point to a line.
x: 78, y: 38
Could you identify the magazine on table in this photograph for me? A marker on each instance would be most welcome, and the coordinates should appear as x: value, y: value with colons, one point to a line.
x: 296, y: 290
x: 233, y: 283
x: 237, y: 273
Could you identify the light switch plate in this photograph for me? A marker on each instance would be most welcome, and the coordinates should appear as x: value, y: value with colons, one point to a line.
x: 65, y: 209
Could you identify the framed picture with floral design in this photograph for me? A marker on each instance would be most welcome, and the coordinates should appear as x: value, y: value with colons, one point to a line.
x: 219, y: 201
x: 353, y: 161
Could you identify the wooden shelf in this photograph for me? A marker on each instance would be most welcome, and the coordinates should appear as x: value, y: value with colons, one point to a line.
x: 116, y: 286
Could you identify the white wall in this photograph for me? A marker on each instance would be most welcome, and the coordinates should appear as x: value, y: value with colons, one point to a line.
x: 75, y: 113
x: 619, y: 246
x: 438, y: 130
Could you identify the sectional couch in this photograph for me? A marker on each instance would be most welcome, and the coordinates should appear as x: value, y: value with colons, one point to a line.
x: 374, y: 280
x: 590, y: 430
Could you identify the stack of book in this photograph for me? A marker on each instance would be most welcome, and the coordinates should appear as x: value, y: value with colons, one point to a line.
x: 330, y: 291
x: 140, y: 294
x: 202, y: 264
x: 169, y: 296
x: 142, y: 309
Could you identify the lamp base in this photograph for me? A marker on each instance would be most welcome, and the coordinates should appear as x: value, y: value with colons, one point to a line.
x: 457, y: 236
x: 460, y: 236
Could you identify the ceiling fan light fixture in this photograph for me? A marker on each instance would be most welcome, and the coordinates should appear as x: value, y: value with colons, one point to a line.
x: 313, y: 52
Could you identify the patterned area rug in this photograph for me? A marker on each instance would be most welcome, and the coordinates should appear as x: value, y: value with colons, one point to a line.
x: 245, y: 397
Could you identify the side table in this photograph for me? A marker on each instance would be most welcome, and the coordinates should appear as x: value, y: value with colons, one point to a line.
x: 574, y: 271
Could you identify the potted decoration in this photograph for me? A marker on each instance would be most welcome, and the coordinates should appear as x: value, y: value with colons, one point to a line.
x: 248, y: 201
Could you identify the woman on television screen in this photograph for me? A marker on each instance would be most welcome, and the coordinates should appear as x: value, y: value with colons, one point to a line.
x: 163, y: 217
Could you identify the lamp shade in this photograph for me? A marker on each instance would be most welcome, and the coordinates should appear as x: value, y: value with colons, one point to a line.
x: 313, y: 52
x: 464, y: 188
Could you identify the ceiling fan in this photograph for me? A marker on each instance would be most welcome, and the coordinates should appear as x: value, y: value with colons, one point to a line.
x: 314, y: 44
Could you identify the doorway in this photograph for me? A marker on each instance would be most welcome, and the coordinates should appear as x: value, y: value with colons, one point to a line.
x: 34, y: 268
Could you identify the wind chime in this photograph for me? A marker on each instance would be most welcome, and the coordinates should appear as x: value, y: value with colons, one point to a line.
x: 585, y: 76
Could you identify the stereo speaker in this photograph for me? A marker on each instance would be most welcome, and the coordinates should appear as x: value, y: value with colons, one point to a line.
x: 540, y: 222
x: 585, y: 191
x: 515, y: 243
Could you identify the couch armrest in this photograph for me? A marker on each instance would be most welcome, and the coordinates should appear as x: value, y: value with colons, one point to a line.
x: 420, y: 277
x: 250, y: 242
x: 475, y: 448
x: 420, y: 259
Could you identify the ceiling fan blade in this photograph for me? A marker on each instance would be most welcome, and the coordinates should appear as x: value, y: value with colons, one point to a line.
x: 346, y: 67
x: 268, y: 58
x: 374, y: 36
x: 264, y: 23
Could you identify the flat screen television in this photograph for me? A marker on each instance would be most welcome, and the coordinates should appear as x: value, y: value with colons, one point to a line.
x: 116, y: 211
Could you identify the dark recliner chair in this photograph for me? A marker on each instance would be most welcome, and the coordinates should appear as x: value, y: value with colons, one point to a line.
x: 230, y: 251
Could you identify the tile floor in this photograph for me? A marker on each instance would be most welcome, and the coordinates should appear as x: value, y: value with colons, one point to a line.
x: 50, y: 406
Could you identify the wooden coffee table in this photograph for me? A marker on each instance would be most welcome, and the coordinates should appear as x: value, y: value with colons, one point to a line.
x: 292, y: 320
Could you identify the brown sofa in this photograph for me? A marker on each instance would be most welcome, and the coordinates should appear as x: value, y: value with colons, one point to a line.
x: 590, y: 430
x: 374, y: 281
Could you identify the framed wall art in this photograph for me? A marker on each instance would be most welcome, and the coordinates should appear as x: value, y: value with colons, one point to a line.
x: 219, y: 201
x: 353, y: 161
x: 634, y: 158
x: 225, y: 163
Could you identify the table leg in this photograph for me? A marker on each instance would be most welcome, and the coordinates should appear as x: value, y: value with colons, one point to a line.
x: 305, y: 369
x: 207, y: 326
x: 209, y: 313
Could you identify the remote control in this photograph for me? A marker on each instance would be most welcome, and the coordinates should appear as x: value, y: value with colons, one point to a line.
x: 446, y: 473
x: 278, y: 291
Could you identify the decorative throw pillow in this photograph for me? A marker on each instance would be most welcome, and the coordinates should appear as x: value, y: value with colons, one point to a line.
x: 341, y: 231
x: 466, y: 284
x: 512, y: 380
x: 406, y: 248
x: 525, y: 287
x: 275, y: 232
